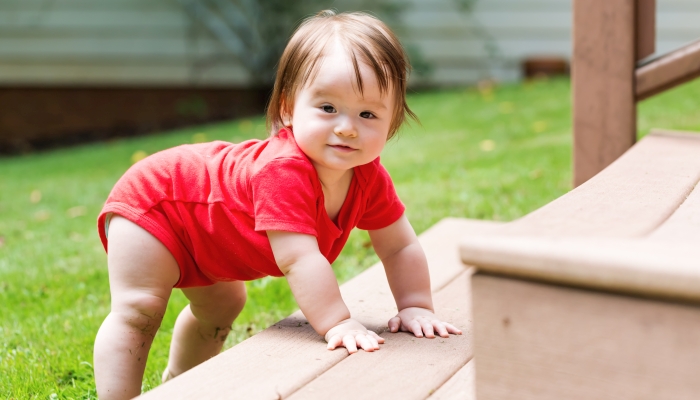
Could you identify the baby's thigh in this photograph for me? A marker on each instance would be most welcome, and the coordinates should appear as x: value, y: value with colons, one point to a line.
x: 142, y: 272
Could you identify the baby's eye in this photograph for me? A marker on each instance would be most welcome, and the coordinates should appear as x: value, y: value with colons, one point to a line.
x: 328, y: 109
x: 367, y: 114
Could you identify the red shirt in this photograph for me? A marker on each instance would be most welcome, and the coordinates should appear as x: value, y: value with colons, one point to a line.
x: 211, y: 204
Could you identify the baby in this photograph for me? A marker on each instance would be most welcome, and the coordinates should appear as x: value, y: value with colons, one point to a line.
x: 207, y: 217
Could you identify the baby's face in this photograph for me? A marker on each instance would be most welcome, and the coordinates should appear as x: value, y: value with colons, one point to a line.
x: 333, y: 124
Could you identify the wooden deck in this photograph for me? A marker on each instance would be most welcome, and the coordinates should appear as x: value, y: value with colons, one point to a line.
x: 289, y: 360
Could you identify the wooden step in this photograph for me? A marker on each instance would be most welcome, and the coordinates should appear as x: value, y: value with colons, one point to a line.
x: 633, y: 228
x: 289, y: 357
x: 597, y: 294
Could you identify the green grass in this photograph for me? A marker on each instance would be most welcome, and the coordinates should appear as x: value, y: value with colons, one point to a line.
x: 488, y: 155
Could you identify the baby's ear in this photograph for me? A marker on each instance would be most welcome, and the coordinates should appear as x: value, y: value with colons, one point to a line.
x: 285, y: 114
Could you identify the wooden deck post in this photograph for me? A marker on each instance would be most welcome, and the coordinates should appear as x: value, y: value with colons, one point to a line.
x: 605, y: 51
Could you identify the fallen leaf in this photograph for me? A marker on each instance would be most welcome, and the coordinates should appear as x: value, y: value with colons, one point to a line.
x: 506, y: 107
x: 487, y: 145
x: 77, y: 211
x: 42, y: 215
x: 245, y: 126
x: 35, y: 196
x: 539, y: 126
x: 200, y: 137
x: 138, y: 156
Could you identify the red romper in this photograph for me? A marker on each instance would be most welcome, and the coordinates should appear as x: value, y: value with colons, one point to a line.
x: 211, y: 204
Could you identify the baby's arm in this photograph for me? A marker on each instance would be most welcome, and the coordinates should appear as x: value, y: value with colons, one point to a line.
x: 407, y: 271
x: 316, y: 291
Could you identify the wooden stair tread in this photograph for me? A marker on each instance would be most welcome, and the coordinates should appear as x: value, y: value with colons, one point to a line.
x: 289, y: 355
x: 406, y: 367
x: 635, y: 227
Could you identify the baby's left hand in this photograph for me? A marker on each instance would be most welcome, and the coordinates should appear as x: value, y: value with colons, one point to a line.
x: 421, y: 322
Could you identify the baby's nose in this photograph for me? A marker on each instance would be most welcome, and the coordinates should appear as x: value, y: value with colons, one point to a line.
x: 345, y: 127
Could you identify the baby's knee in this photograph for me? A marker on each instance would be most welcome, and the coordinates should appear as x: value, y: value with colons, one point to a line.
x: 221, y: 311
x: 143, y: 314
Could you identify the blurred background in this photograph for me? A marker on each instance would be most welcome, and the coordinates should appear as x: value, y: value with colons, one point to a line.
x: 134, y: 77
x: 77, y: 70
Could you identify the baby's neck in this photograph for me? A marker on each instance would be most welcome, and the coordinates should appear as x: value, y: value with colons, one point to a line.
x: 335, y: 190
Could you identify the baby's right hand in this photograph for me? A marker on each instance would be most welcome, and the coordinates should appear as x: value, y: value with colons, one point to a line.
x: 351, y: 335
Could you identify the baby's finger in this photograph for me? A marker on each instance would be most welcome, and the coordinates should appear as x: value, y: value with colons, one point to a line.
x: 440, y: 328
x: 373, y: 341
x: 414, y: 326
x: 394, y: 324
x: 349, y: 343
x: 452, y: 329
x: 427, y: 328
x: 364, y: 343
x: 334, y: 342
x: 376, y: 337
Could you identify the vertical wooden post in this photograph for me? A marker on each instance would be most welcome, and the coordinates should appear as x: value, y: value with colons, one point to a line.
x: 604, y: 109
x: 646, y: 28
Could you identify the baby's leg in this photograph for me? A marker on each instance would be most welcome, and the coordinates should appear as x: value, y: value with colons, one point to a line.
x: 142, y: 273
x: 202, y: 326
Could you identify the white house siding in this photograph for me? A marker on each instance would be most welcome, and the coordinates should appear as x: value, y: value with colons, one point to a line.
x: 518, y: 29
x: 155, y: 43
x: 107, y: 42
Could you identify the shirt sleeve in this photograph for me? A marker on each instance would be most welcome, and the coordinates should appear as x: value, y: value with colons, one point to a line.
x: 383, y: 204
x: 283, y: 197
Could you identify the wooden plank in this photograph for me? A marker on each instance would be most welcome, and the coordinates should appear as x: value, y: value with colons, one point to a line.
x: 283, y: 358
x: 406, y: 367
x: 668, y: 71
x: 538, y: 341
x: 646, y: 28
x: 462, y: 385
x: 604, y: 108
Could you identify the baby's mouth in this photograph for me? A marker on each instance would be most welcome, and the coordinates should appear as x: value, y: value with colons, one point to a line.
x: 342, y: 147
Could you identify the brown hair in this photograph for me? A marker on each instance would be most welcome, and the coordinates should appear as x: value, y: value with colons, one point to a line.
x: 365, y: 37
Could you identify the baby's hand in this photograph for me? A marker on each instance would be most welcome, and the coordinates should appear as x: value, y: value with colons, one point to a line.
x: 421, y: 322
x: 351, y: 335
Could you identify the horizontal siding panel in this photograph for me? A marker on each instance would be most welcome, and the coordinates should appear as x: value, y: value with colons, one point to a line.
x: 456, y: 48
x: 492, y: 5
x: 28, y: 32
x: 84, y: 47
x: 489, y: 19
x: 453, y: 32
x: 95, y: 19
x: 43, y: 4
x: 458, y: 76
x: 119, y: 74
x: 535, y: 5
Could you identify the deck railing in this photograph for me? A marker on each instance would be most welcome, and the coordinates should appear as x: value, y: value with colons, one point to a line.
x: 610, y: 74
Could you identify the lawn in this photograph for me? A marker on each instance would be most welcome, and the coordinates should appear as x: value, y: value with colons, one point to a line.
x: 495, y: 153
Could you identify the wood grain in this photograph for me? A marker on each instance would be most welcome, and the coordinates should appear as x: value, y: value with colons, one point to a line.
x: 668, y: 71
x: 645, y: 28
x: 537, y: 341
x: 461, y: 386
x: 406, y: 367
x: 604, y: 108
